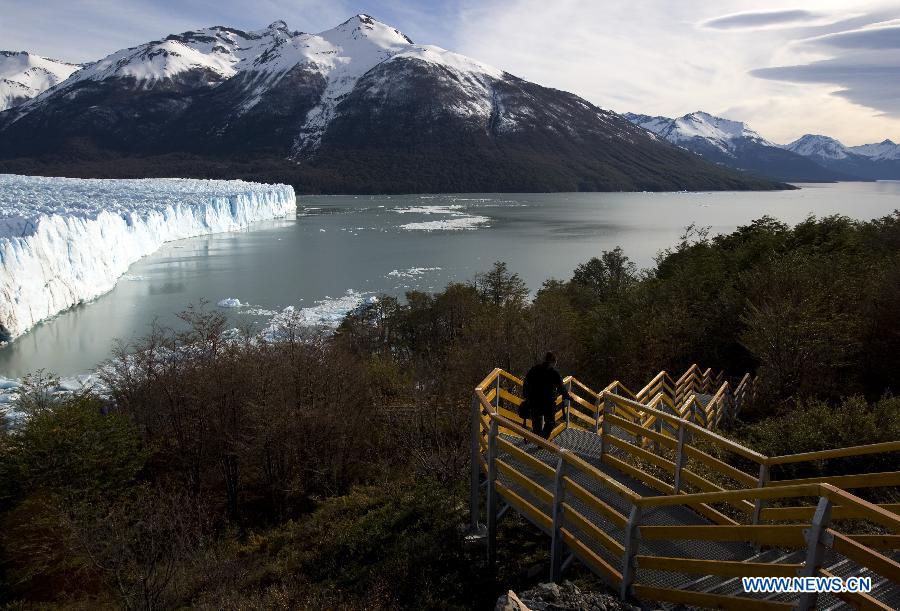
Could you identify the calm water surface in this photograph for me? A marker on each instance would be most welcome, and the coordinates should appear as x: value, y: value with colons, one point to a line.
x: 362, y: 244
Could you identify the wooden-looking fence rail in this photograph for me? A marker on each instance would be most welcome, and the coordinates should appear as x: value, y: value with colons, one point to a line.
x: 660, y: 440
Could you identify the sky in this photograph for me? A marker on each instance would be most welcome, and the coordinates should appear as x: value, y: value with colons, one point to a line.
x: 787, y: 68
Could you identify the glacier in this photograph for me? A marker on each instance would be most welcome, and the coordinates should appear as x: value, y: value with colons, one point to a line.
x: 64, y: 241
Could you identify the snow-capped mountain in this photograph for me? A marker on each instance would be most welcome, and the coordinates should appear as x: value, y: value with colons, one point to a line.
x: 814, y: 145
x: 359, y: 107
x: 720, y: 133
x: 884, y: 150
x: 734, y: 144
x: 868, y: 161
x: 24, y: 75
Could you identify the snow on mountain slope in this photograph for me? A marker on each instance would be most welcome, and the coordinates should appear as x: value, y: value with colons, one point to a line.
x: 734, y: 144
x: 357, y: 107
x: 814, y: 145
x: 210, y: 56
x: 358, y: 45
x: 66, y: 240
x: 869, y: 161
x: 722, y: 134
x: 219, y: 52
x: 24, y: 75
x: 653, y: 124
x: 885, y: 150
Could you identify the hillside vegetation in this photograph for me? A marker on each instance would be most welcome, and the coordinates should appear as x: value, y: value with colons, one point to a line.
x: 330, y: 471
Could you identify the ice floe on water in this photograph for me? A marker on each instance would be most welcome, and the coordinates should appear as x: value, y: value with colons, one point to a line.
x: 451, y: 224
x: 458, y: 218
x: 254, y: 311
x: 442, y: 209
x: 11, y: 390
x: 230, y: 302
x: 412, y: 272
x: 327, y: 314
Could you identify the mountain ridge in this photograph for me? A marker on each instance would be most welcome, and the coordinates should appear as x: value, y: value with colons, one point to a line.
x: 734, y: 144
x: 24, y: 75
x: 356, y: 108
x: 879, y: 161
x: 812, y: 157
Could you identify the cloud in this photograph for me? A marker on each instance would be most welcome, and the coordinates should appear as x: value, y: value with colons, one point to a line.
x: 869, y: 79
x: 877, y: 36
x: 752, y: 20
x: 865, y: 65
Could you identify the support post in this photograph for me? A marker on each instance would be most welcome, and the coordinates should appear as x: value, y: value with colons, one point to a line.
x: 761, y: 482
x: 608, y: 408
x: 631, y: 549
x: 657, y: 426
x: 475, y: 478
x: 568, y: 403
x: 598, y: 412
x: 816, y: 538
x: 557, y: 547
x: 679, y: 456
x: 497, y: 393
x: 492, y: 495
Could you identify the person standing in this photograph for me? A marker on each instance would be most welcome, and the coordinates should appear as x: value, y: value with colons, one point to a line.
x: 542, y: 385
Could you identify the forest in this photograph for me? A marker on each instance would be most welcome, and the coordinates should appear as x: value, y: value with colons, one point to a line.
x: 329, y: 470
x: 438, y: 169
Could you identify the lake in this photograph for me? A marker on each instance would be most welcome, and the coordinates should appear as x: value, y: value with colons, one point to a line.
x: 341, y: 249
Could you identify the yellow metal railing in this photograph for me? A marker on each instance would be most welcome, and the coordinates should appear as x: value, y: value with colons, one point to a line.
x: 685, y: 464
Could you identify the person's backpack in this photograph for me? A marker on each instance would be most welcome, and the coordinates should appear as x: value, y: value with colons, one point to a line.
x: 527, y: 391
x: 524, y: 410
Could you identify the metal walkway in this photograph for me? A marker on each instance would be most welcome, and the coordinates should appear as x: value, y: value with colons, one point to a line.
x: 644, y: 498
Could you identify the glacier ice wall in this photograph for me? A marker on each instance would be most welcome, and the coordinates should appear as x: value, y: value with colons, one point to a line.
x: 65, y: 241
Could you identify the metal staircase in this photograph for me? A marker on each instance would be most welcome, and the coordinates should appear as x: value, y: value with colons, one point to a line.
x: 640, y: 488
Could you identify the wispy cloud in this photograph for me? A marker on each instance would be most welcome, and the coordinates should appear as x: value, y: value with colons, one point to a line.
x: 876, y: 36
x: 864, y: 66
x: 752, y: 20
x: 867, y: 80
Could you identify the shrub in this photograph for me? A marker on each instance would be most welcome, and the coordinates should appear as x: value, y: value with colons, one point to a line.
x: 390, y: 547
x: 816, y: 425
x: 73, y: 448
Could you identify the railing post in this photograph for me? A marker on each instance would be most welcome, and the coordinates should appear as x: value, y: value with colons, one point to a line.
x: 475, y: 454
x: 761, y: 482
x: 492, y: 495
x: 679, y: 457
x: 598, y: 412
x: 817, y: 538
x: 497, y: 393
x: 568, y: 403
x: 631, y: 549
x: 557, y: 547
x: 609, y: 408
x: 657, y: 426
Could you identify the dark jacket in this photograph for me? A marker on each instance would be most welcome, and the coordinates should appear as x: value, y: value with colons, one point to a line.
x: 542, y: 385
